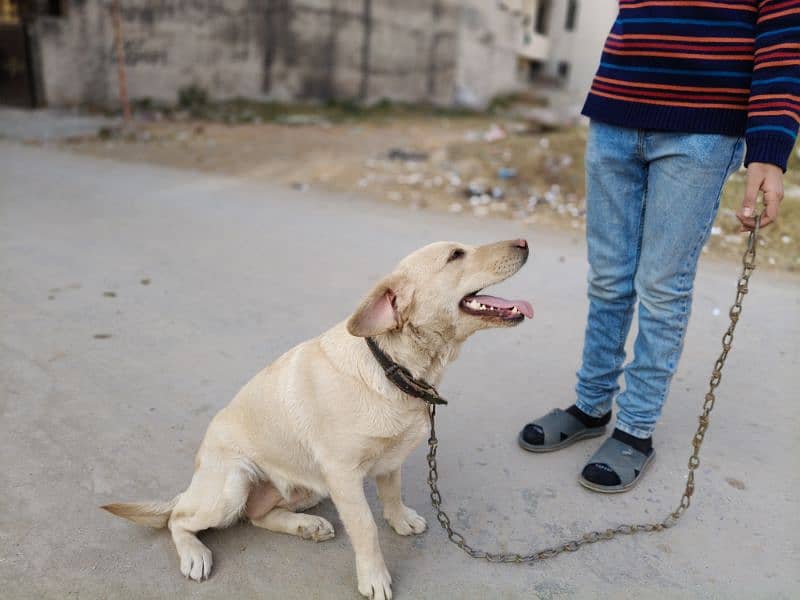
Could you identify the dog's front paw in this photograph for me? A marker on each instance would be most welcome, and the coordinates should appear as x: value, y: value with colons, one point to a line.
x: 406, y: 521
x: 375, y: 583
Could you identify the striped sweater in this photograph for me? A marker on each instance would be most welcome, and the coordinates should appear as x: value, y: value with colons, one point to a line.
x: 725, y: 66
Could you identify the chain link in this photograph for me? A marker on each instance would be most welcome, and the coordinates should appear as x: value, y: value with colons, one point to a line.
x: 749, y: 265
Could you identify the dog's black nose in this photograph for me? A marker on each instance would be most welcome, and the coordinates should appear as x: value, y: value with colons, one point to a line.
x: 521, y: 244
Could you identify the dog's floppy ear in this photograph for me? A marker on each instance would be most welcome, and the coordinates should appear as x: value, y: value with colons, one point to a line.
x: 384, y: 309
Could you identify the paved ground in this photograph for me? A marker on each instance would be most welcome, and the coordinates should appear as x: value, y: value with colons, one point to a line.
x: 50, y: 124
x: 237, y: 274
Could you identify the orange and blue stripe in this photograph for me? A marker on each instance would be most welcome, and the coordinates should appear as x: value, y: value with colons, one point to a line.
x: 707, y: 66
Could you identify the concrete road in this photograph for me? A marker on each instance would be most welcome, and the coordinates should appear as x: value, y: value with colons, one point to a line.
x: 50, y: 124
x: 134, y: 301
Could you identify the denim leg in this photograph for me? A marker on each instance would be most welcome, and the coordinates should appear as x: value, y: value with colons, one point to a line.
x: 616, y: 180
x: 686, y: 175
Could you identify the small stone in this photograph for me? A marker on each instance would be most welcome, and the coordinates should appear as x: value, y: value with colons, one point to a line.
x: 735, y: 483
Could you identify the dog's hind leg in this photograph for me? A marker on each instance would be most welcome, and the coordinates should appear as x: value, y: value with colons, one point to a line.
x: 308, y: 527
x: 215, y: 498
x: 301, y: 500
x: 266, y: 508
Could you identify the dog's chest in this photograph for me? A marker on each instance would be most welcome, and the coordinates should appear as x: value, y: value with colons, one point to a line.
x: 389, y: 453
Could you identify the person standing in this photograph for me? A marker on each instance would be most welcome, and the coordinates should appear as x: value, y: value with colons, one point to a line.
x: 684, y: 92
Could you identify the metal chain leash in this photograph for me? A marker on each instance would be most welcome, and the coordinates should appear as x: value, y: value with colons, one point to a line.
x: 749, y: 264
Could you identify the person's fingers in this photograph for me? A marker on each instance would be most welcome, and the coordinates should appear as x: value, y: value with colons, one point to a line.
x: 748, y: 224
x: 772, y: 203
x: 754, y: 182
x: 748, y: 208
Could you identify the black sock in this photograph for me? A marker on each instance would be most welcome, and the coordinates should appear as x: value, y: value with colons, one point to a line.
x: 642, y: 445
x: 602, y: 474
x: 588, y: 420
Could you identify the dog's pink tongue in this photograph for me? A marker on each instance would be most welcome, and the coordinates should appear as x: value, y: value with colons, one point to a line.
x: 522, y: 306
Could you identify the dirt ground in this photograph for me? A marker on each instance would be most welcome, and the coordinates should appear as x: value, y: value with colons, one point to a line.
x: 486, y: 166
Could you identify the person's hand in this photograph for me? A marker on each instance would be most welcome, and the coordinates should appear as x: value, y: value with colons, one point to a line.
x: 761, y: 177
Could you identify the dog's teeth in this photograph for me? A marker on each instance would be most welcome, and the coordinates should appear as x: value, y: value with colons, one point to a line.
x: 515, y: 310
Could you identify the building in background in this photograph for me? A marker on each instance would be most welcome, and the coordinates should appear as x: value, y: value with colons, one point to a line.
x: 551, y: 47
x: 450, y: 52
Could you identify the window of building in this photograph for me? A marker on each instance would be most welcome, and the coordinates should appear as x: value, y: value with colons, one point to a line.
x: 563, y: 69
x: 572, y: 15
x: 57, y: 8
x: 542, y: 22
x: 535, y: 69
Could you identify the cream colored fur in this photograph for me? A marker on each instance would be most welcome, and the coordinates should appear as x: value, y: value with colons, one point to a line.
x: 323, y: 417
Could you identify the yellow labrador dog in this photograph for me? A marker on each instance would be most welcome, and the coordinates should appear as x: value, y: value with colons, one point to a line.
x: 324, y: 416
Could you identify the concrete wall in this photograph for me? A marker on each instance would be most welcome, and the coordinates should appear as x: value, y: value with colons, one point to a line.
x: 444, y: 51
x: 487, y: 51
x: 262, y: 49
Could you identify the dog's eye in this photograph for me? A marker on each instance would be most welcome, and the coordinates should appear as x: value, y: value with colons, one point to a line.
x: 456, y: 254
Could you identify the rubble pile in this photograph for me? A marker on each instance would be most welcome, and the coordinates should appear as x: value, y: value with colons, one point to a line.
x: 482, y: 174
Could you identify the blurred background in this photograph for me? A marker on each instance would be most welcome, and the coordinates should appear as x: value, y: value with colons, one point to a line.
x: 467, y: 106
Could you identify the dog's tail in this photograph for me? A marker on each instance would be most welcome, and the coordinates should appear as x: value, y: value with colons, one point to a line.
x: 149, y: 514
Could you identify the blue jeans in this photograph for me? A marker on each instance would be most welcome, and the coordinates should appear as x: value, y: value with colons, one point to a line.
x: 651, y: 200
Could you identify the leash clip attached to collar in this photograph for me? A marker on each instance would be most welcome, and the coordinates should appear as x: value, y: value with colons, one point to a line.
x: 402, y: 378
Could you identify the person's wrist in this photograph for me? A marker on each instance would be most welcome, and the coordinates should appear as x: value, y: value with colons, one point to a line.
x: 768, y: 148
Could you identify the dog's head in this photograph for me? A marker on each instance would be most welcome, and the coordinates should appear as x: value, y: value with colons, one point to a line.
x: 435, y: 291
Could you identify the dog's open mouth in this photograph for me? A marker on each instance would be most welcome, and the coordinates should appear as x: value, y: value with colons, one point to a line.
x: 496, y: 308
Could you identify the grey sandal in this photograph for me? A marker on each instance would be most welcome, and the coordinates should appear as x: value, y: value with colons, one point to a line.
x: 559, y: 430
x: 628, y: 463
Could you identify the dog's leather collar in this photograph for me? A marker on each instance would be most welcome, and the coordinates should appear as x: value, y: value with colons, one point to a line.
x: 402, y: 378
